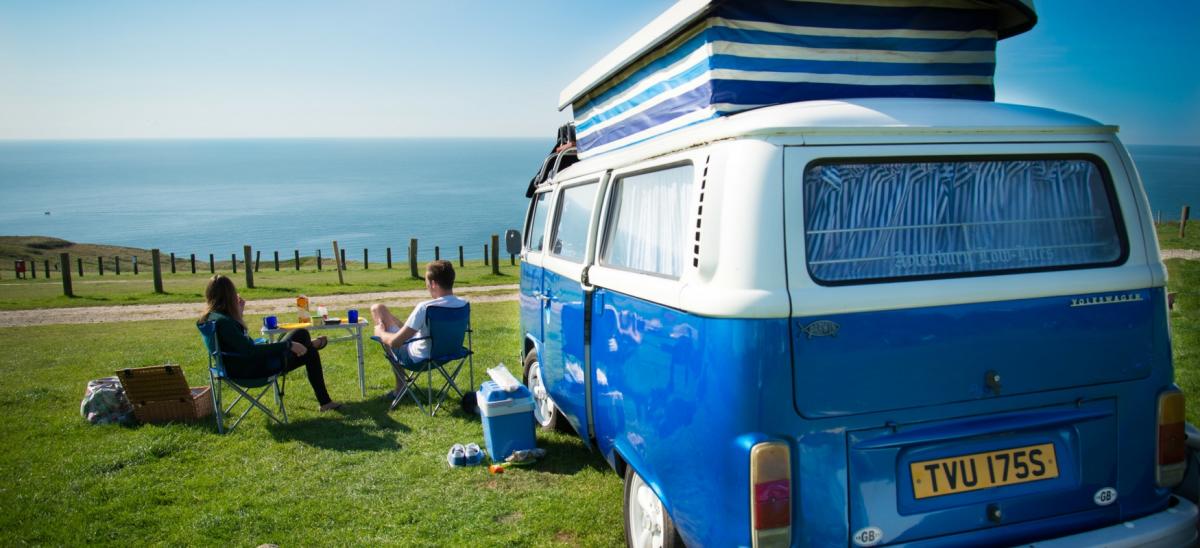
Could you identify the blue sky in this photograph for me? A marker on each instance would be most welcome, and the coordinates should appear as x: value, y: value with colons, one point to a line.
x: 352, y: 68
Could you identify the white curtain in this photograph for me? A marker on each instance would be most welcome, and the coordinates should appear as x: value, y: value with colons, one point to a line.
x: 648, y: 227
x: 895, y: 220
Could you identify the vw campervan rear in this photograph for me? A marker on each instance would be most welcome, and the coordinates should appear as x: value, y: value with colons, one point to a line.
x: 872, y: 321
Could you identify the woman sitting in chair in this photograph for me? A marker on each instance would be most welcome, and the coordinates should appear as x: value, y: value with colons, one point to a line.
x: 261, y: 360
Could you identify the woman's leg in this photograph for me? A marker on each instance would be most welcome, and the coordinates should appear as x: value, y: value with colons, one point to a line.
x: 311, y: 361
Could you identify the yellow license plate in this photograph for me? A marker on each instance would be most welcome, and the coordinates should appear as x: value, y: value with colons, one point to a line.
x: 934, y: 478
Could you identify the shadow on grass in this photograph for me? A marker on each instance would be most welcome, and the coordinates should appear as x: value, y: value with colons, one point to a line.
x: 567, y: 455
x: 345, y: 429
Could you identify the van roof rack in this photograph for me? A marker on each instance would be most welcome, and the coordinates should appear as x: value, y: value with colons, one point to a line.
x: 562, y: 156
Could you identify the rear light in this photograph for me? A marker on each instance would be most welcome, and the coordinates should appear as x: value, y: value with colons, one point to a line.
x: 771, y: 494
x: 1172, y: 439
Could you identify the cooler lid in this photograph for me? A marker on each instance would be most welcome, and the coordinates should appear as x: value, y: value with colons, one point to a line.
x: 491, y: 392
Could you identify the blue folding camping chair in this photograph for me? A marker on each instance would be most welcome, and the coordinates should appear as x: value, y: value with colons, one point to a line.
x: 218, y: 377
x: 449, y: 328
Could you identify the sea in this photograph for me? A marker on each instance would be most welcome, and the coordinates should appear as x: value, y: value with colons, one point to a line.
x: 214, y: 196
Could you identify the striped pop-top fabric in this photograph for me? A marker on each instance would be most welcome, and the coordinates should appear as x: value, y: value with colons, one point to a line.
x: 747, y: 54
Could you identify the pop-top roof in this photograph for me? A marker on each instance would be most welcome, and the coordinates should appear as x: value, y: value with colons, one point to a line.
x: 706, y: 58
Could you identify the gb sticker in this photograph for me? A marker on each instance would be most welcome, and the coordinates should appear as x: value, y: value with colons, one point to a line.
x: 1105, y: 496
x: 868, y: 536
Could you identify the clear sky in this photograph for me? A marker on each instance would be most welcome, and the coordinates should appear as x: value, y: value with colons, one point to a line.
x: 355, y: 68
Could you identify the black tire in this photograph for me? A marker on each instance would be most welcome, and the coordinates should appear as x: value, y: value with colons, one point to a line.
x: 632, y: 510
x: 555, y: 421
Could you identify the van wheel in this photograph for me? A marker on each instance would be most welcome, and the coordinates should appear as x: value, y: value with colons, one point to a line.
x: 647, y: 524
x: 545, y: 412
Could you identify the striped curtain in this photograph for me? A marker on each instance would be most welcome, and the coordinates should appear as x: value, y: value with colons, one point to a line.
x: 749, y: 54
x: 871, y: 221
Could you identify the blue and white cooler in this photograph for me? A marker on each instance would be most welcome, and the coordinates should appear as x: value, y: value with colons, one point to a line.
x: 507, y: 419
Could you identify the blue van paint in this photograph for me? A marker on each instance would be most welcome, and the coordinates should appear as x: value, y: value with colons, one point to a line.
x: 676, y: 395
x: 1033, y: 345
x: 530, y: 303
x: 682, y: 398
x: 562, y: 355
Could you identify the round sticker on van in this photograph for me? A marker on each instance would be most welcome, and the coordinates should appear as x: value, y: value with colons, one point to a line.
x: 1105, y: 496
x: 868, y: 536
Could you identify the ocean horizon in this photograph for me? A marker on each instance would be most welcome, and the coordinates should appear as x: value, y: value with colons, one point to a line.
x: 215, y: 195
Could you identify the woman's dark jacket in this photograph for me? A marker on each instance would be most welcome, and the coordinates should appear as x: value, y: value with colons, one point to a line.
x: 251, y: 360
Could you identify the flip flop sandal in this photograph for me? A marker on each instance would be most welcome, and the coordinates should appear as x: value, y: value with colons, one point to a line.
x: 320, y: 342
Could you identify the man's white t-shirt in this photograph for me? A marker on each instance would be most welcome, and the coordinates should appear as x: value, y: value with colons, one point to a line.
x: 419, y: 350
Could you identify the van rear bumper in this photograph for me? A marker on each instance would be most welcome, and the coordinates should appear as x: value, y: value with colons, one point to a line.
x: 1175, y: 526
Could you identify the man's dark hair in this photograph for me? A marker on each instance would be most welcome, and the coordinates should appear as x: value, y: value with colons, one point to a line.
x: 441, y: 273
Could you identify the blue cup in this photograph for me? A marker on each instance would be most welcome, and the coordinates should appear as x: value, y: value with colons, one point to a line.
x: 271, y: 322
x: 352, y: 316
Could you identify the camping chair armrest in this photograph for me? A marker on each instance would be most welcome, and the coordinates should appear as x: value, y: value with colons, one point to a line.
x: 413, y: 340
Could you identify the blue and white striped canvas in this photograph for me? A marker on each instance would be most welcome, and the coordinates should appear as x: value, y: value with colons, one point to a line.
x: 748, y: 54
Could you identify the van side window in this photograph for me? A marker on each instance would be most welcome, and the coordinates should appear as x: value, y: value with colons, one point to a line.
x: 537, y: 223
x: 647, y: 221
x: 918, y: 219
x: 572, y: 221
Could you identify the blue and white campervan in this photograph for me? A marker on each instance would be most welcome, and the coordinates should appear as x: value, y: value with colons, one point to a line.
x: 802, y: 282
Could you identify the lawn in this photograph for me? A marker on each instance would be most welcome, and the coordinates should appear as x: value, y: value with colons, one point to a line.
x: 185, y: 287
x: 362, y: 476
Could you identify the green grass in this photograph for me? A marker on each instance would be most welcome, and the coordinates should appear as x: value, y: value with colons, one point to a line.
x: 184, y: 287
x: 1168, y: 235
x: 1184, y: 279
x: 364, y: 476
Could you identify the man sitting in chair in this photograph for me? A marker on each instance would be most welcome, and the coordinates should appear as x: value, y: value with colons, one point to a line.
x: 439, y: 280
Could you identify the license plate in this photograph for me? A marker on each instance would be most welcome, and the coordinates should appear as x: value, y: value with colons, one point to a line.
x: 934, y: 478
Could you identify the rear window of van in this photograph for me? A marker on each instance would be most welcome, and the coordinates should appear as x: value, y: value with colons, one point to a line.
x: 895, y: 219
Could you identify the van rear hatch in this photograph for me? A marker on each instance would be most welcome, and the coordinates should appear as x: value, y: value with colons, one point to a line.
x: 920, y: 226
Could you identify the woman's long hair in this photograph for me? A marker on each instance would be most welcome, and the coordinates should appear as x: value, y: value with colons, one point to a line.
x: 221, y: 296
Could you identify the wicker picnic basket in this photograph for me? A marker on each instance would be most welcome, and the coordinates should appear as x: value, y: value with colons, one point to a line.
x: 161, y: 394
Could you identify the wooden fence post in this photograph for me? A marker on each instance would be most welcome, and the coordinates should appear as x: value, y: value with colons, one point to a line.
x: 1183, y: 219
x: 46, y: 264
x: 495, y: 253
x: 343, y: 256
x: 249, y: 271
x: 117, y: 264
x: 79, y: 262
x: 233, y: 258
x: 99, y: 266
x: 297, y: 253
x: 212, y: 264
x: 319, y: 260
x: 33, y: 269
x: 412, y: 257
x: 366, y: 264
x: 257, y: 259
x: 64, y: 262
x: 437, y: 253
x: 133, y: 259
x: 389, y: 258
x: 192, y: 260
x: 338, y: 263
x: 460, y: 256
x: 485, y: 255
x: 157, y: 268
x: 276, y: 261
x: 172, y: 262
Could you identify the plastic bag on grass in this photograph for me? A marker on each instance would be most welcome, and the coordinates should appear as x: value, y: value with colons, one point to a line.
x: 104, y: 402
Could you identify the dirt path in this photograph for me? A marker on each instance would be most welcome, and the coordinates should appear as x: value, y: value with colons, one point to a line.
x: 183, y: 311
